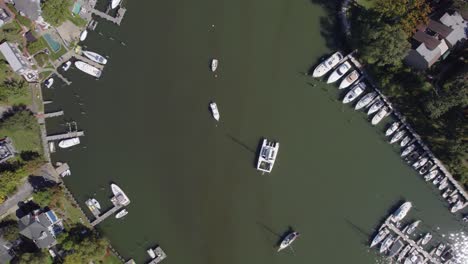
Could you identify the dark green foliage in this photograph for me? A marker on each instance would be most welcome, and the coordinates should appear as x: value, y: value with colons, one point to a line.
x: 9, y: 230
x: 38, y: 257
x: 56, y: 11
x: 83, y: 245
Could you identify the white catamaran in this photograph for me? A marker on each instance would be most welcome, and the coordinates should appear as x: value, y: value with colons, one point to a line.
x: 267, y: 155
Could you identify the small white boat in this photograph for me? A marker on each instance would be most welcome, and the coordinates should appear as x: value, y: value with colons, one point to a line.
x: 95, y: 203
x: 339, y: 72
x: 412, y: 227
x: 392, y: 129
x: 424, y: 169
x: 288, y: 240
x: 151, y: 253
x: 66, y: 173
x: 431, y: 175
x: 119, y: 195
x: 408, y: 150
x: 457, y: 206
x: 121, y: 214
x: 397, y: 136
x: 420, y: 162
x: 380, y: 115
x: 214, y: 111
x: 214, y: 65
x: 69, y: 142
x: 386, y: 243
x: 86, y: 68
x: 354, y: 93
x: 440, y: 249
x: 350, y: 79
x: 83, y: 35
x: 48, y: 83
x: 401, y: 212
x: 267, y: 155
x: 443, y: 184
x: 66, y: 66
x: 51, y: 146
x: 405, y: 141
x: 446, y: 193
x: 115, y: 3
x: 427, y: 237
x: 438, y: 179
x: 327, y: 65
x: 95, y: 57
x: 365, y: 100
x: 375, y: 106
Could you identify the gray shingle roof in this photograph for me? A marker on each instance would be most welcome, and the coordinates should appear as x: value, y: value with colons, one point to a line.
x: 30, y: 8
x: 36, y: 228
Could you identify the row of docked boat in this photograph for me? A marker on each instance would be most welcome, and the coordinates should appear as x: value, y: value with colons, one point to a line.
x: 372, y: 101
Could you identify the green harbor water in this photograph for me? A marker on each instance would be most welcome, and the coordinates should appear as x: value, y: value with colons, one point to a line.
x: 192, y: 183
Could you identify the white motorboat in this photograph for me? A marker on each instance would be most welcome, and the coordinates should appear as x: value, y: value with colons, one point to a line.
x: 431, y: 175
x: 48, y: 83
x: 443, y: 184
x: 69, y: 142
x: 119, y: 196
x: 327, y: 65
x: 440, y: 249
x: 288, y: 240
x: 420, y: 162
x: 65, y: 173
x: 403, y: 253
x: 66, y: 66
x: 427, y: 237
x: 151, y: 253
x: 350, y: 79
x: 95, y: 203
x: 354, y: 93
x: 339, y: 72
x: 365, y: 100
x: 397, y: 136
x: 379, y: 237
x: 458, y: 205
x: 95, y: 57
x: 412, y: 227
x: 386, y: 243
x: 392, y: 129
x: 408, y: 150
x: 401, y: 212
x: 446, y: 193
x: 214, y: 65
x: 375, y: 106
x: 83, y: 35
x: 85, y: 67
x: 267, y: 155
x: 424, y: 169
x: 121, y: 214
x: 115, y: 3
x: 380, y: 115
x: 214, y: 111
x: 405, y: 141
x: 438, y: 179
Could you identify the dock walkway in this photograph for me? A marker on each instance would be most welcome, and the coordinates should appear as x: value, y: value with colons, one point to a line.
x: 105, y: 215
x: 65, y: 135
x: 117, y: 19
x: 53, y: 114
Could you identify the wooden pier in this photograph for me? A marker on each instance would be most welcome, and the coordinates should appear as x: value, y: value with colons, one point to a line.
x: 102, y: 217
x: 62, y: 168
x: 117, y: 19
x: 65, y: 135
x: 60, y: 76
x: 53, y: 114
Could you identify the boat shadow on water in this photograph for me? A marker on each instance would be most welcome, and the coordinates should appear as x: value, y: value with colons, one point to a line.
x: 274, y: 238
x: 364, y: 236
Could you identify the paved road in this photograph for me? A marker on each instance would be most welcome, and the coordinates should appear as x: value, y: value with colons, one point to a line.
x: 10, y: 205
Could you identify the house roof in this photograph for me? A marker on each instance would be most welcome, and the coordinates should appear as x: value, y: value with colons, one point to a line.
x: 430, y: 42
x: 30, y: 8
x: 5, y: 255
x: 459, y: 26
x: 431, y: 56
x: 10, y: 55
x: 38, y: 228
x: 439, y: 28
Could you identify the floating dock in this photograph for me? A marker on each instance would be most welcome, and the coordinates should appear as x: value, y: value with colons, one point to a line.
x: 65, y: 135
x: 160, y: 255
x: 108, y: 213
x: 117, y: 19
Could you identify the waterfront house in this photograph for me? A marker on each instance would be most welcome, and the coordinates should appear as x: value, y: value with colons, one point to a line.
x: 41, y: 227
x: 17, y: 61
x: 433, y: 41
x: 32, y: 10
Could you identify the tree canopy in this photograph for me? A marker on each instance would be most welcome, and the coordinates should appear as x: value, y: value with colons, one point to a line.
x: 407, y: 13
x: 9, y: 230
x: 39, y: 257
x: 83, y: 245
x: 44, y: 197
x: 56, y: 11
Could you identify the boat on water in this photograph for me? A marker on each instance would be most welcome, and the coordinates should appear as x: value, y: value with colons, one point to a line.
x: 412, y: 227
x: 95, y: 57
x: 446, y: 193
x: 83, y: 35
x: 403, y: 253
x: 327, y: 65
x: 379, y: 103
x: 288, y: 240
x: 214, y: 65
x: 431, y: 175
x: 214, y: 111
x: 413, y: 157
x: 95, y: 203
x: 114, y: 3
x: 427, y: 237
x: 401, y: 212
x: 66, y: 66
x: 380, y: 115
x: 405, y: 141
x: 267, y: 155
x: 349, y: 79
x: 86, y: 68
x: 121, y: 214
x: 69, y: 142
x: 354, y: 93
x: 457, y: 206
x: 408, y: 150
x: 438, y: 179
x: 424, y: 169
x: 48, y: 83
x: 440, y: 249
x: 151, y: 253
x: 120, y: 197
x: 379, y: 237
x: 386, y: 243
x: 66, y: 173
x: 420, y: 162
x: 397, y: 136
x: 443, y: 184
x: 465, y: 218
x: 365, y: 100
x: 339, y: 72
x: 394, y: 127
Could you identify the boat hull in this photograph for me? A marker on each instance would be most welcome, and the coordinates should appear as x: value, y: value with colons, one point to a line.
x: 86, y: 68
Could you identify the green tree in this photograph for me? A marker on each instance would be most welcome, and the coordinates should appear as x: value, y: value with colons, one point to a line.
x: 385, y: 46
x: 44, y: 197
x: 39, y: 257
x: 9, y: 230
x: 56, y: 11
x: 455, y: 94
x: 84, y: 245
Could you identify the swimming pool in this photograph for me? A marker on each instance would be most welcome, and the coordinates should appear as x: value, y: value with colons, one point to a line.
x: 53, y: 44
x: 76, y: 8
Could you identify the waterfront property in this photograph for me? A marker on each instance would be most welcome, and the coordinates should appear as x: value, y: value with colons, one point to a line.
x: 18, y: 61
x: 32, y: 10
x: 42, y: 227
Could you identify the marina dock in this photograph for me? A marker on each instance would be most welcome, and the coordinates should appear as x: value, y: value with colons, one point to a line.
x: 117, y: 19
x: 108, y: 213
x: 65, y: 135
x: 53, y: 114
x: 160, y: 255
x: 62, y: 168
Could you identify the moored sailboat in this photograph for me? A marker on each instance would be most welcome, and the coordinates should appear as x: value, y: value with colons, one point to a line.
x: 288, y: 240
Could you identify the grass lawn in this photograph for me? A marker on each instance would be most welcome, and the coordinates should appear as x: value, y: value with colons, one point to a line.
x: 366, y: 3
x: 73, y: 214
x: 24, y: 140
x: 38, y: 45
x: 111, y: 259
x: 20, y: 99
x: 55, y: 56
x: 77, y: 20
